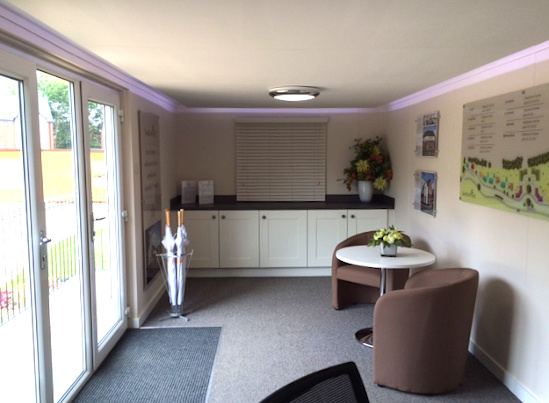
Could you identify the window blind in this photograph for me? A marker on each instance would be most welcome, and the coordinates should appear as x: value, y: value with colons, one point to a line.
x: 280, y: 161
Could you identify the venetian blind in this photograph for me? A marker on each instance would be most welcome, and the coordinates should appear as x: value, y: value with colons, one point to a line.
x: 281, y: 161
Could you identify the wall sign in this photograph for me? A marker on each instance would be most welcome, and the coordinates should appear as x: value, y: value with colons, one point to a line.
x: 505, y: 152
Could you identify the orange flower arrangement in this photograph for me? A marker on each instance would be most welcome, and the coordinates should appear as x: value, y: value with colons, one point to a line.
x: 371, y: 163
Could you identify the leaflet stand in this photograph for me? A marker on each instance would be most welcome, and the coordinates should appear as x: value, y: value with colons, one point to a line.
x: 176, y: 265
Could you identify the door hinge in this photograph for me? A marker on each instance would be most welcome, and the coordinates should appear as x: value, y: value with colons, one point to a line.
x: 121, y: 115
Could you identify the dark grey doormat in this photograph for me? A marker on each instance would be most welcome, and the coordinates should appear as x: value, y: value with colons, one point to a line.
x: 156, y: 365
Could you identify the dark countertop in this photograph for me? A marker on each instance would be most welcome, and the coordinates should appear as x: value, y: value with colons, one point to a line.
x: 333, y: 202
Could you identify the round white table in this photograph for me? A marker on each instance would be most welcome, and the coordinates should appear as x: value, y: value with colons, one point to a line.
x: 370, y: 256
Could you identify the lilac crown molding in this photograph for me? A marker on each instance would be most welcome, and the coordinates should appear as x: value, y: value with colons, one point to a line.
x: 33, y: 35
x: 25, y: 33
x: 524, y: 58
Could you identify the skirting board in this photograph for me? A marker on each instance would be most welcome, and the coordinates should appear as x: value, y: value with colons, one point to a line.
x: 137, y: 322
x: 267, y: 272
x: 512, y: 383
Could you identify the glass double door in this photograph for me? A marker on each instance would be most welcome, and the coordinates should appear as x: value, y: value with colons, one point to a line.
x: 62, y: 293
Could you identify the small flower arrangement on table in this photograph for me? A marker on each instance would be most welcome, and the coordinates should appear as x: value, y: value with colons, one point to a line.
x: 389, y: 239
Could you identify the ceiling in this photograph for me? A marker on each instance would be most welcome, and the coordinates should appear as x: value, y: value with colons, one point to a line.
x: 361, y: 53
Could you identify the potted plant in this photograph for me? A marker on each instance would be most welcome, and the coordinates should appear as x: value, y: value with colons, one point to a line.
x: 389, y: 239
x: 371, y: 168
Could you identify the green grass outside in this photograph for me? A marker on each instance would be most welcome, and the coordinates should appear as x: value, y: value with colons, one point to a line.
x: 62, y: 256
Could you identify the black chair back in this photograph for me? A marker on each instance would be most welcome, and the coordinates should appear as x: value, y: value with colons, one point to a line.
x: 338, y: 384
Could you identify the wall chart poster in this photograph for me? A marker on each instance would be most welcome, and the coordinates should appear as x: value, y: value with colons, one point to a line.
x: 149, y: 147
x: 505, y: 152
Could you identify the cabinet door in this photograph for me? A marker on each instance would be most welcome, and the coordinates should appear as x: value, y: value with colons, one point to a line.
x: 365, y: 220
x: 283, y: 238
x: 326, y: 228
x: 239, y: 239
x: 203, y: 234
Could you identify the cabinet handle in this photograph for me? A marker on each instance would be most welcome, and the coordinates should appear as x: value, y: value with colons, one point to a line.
x: 222, y: 217
x: 213, y: 217
x: 352, y: 216
x: 264, y: 217
x: 343, y: 216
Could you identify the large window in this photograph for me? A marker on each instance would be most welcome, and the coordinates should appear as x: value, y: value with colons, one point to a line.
x: 281, y: 161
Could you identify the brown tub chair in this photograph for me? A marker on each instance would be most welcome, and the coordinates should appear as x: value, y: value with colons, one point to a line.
x: 358, y: 284
x: 421, y: 333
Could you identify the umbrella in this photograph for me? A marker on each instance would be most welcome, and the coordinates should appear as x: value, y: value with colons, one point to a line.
x: 181, y: 243
x: 169, y: 242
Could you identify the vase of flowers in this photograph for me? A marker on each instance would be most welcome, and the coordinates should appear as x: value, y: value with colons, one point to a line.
x: 389, y: 239
x: 365, y: 191
x: 371, y: 163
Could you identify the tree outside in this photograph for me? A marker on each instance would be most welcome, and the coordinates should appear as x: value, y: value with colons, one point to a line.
x: 57, y: 92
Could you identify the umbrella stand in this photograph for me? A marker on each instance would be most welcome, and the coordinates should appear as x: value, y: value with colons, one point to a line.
x: 176, y: 310
x: 174, y: 265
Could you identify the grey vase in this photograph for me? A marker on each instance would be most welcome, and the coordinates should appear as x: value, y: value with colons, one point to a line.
x: 388, y: 250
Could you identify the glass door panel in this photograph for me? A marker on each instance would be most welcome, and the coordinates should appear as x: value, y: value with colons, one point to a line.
x: 107, y: 263
x: 105, y: 211
x: 61, y: 186
x: 17, y: 347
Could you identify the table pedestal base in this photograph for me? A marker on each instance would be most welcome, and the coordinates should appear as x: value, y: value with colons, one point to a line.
x: 366, y: 337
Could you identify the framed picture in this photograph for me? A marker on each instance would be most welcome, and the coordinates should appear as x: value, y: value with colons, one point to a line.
x: 149, y: 148
x: 426, y: 192
x: 427, y: 135
x: 153, y: 245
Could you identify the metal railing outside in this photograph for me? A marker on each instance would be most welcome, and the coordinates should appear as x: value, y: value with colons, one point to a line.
x: 15, y: 284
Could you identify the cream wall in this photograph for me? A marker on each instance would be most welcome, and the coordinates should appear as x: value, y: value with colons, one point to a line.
x: 206, y: 144
x: 140, y: 300
x: 511, y: 330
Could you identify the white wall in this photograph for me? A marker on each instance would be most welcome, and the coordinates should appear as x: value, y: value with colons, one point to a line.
x: 140, y: 299
x: 206, y: 144
x: 511, y: 328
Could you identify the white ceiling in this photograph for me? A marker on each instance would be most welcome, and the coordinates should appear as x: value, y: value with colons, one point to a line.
x: 361, y: 53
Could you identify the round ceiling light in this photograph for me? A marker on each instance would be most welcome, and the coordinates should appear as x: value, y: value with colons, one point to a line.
x: 294, y: 93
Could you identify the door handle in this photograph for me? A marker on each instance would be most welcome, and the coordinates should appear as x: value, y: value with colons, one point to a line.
x: 44, y: 240
x: 43, y: 250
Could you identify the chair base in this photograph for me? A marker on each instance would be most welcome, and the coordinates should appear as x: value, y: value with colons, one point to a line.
x: 366, y: 336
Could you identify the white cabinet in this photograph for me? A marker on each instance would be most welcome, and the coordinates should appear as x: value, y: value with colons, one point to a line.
x: 273, y: 238
x: 239, y: 238
x: 283, y: 238
x: 326, y: 228
x: 203, y: 233
x: 365, y: 220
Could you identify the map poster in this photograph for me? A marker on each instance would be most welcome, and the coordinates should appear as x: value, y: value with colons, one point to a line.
x: 505, y: 152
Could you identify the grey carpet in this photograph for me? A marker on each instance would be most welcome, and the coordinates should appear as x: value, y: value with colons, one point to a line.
x: 156, y: 365
x: 278, y: 329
